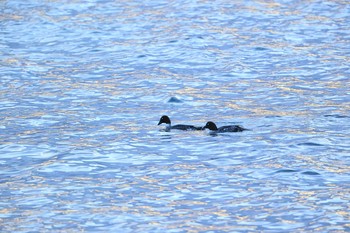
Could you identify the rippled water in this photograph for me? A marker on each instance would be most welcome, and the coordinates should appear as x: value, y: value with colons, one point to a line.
x: 84, y: 83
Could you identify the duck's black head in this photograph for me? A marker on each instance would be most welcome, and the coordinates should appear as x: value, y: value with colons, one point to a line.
x: 210, y: 125
x: 164, y: 119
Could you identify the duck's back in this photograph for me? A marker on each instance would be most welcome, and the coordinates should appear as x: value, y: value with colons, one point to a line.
x: 231, y: 128
x: 186, y: 127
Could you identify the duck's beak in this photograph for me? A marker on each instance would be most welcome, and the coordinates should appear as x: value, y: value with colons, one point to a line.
x: 159, y: 123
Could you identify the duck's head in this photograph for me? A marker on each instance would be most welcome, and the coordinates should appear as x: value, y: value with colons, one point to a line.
x: 210, y: 125
x: 164, y: 119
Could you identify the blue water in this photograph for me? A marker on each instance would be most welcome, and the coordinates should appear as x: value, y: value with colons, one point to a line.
x: 84, y: 83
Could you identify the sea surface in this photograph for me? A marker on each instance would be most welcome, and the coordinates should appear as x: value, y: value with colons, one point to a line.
x: 83, y: 84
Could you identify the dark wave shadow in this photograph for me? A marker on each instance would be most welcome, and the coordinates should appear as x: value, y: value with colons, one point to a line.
x: 174, y: 100
x: 310, y: 173
x: 336, y: 116
x: 286, y: 171
x: 310, y: 144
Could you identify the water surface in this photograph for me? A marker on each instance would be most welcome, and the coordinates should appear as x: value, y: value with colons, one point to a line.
x: 84, y: 83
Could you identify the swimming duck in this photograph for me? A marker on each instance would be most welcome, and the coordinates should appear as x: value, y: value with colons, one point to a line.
x: 223, y: 129
x: 166, y: 120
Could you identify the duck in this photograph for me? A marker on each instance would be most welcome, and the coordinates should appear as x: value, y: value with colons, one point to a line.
x: 223, y: 129
x: 166, y: 120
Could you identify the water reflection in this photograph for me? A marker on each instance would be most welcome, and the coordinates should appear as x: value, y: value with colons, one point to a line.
x: 166, y: 137
x: 80, y: 148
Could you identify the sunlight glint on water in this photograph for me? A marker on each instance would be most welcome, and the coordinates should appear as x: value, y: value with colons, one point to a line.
x: 83, y: 85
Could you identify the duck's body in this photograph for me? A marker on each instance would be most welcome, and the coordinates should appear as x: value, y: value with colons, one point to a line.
x: 166, y: 120
x: 186, y: 127
x: 223, y: 129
